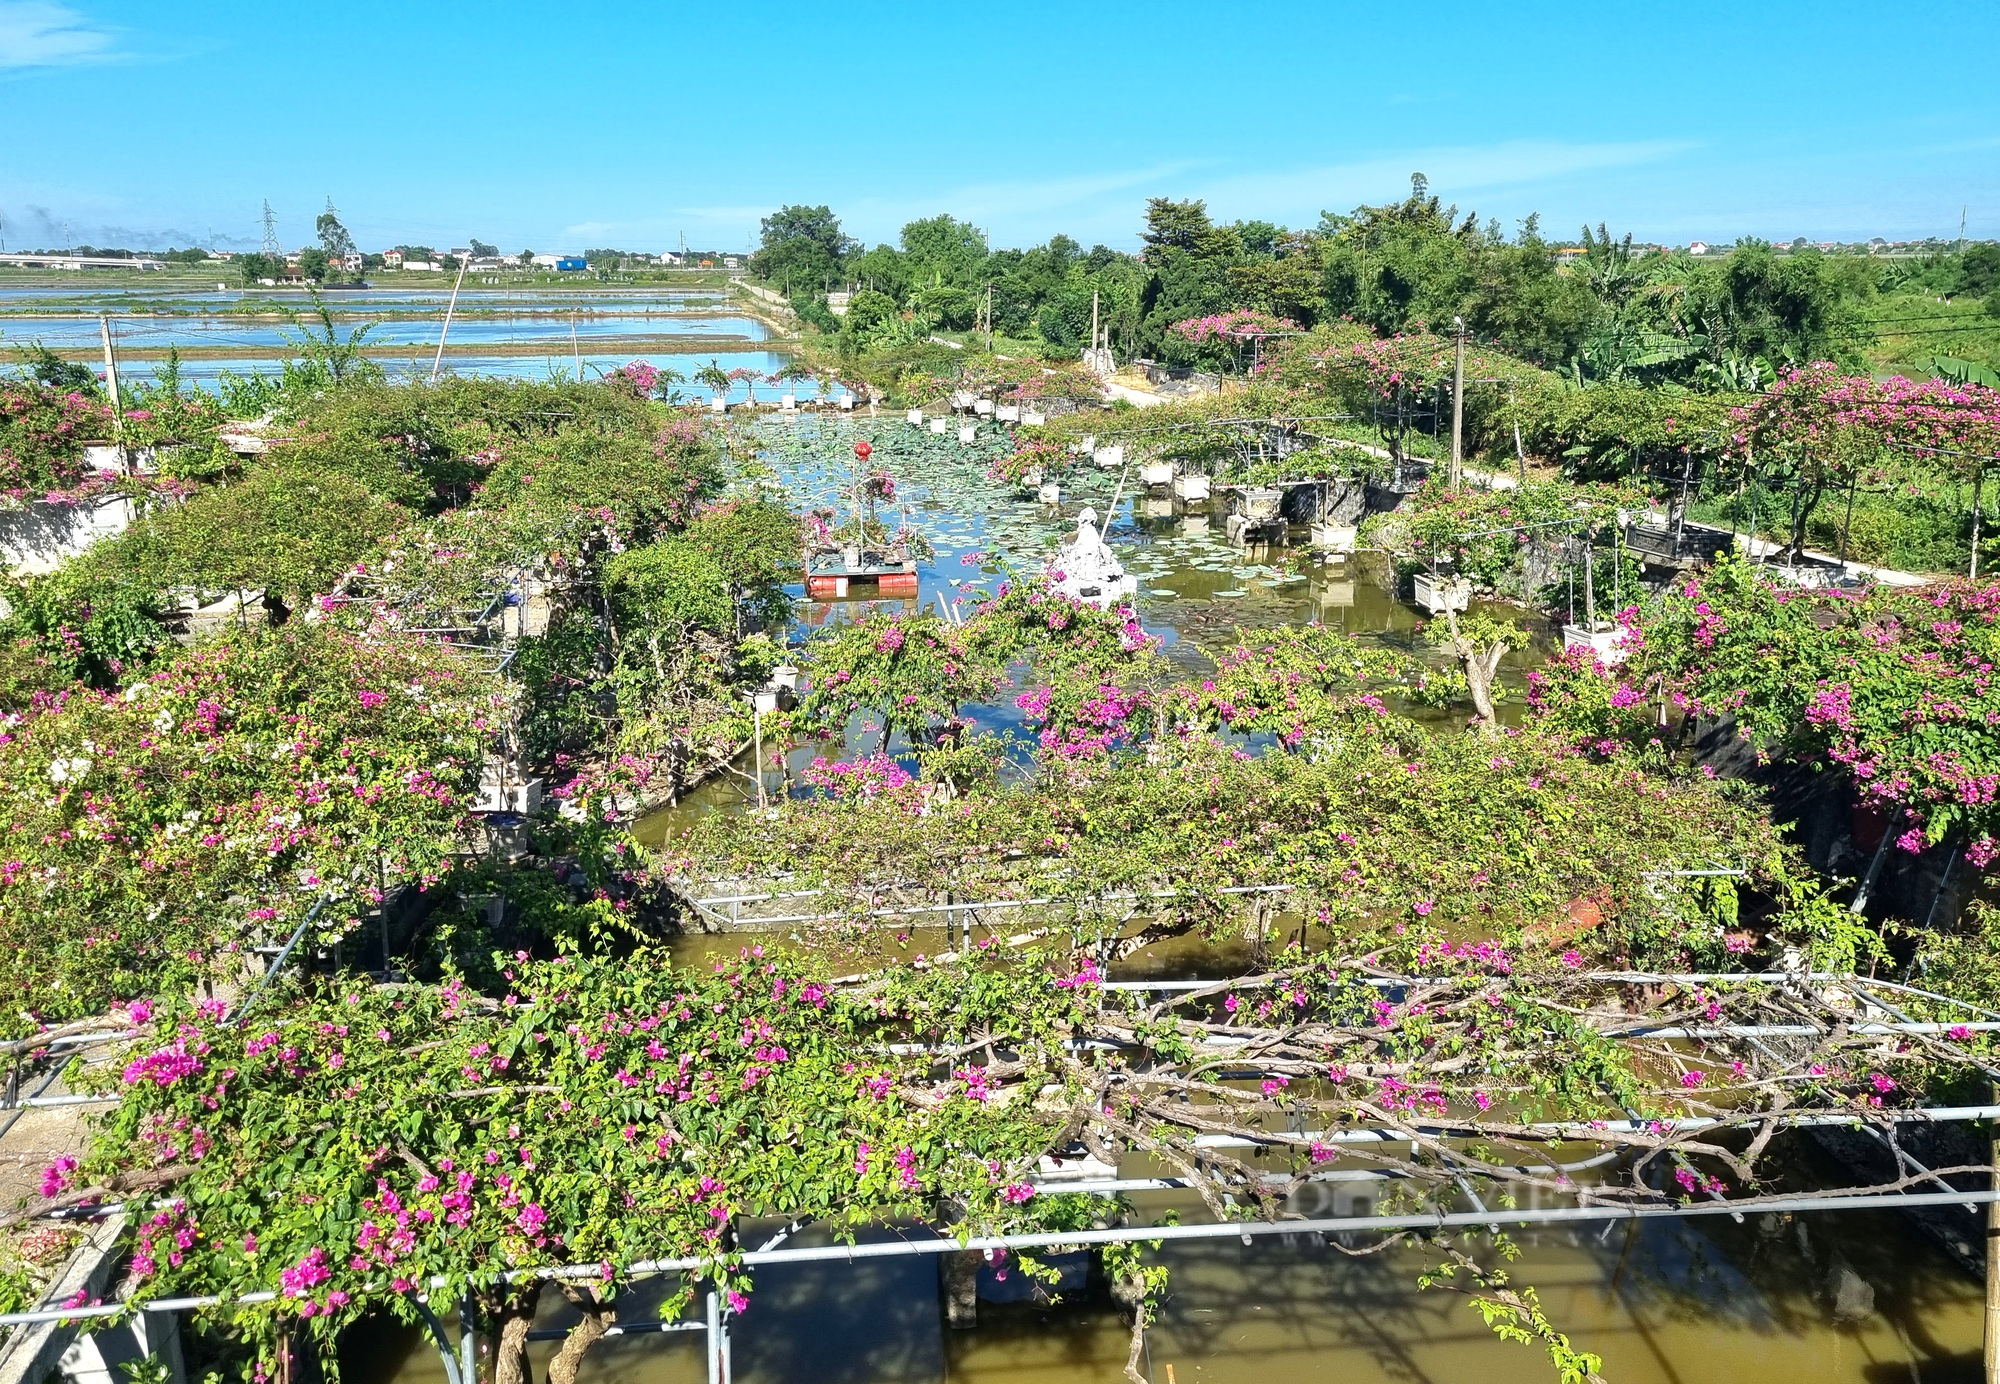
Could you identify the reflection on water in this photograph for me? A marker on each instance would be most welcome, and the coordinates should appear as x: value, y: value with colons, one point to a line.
x: 1700, y: 1302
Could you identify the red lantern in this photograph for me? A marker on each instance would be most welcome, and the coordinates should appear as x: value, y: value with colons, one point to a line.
x: 863, y: 450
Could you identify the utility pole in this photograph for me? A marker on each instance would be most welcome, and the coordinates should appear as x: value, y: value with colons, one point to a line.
x: 1458, y: 407
x: 445, y: 331
x: 989, y: 315
x: 111, y: 384
x: 270, y: 229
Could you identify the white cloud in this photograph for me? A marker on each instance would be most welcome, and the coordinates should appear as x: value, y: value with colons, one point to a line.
x: 35, y: 33
x: 1299, y: 194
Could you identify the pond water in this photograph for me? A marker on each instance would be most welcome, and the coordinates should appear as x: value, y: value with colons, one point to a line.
x: 1857, y: 1298
x: 1196, y: 589
x: 554, y: 362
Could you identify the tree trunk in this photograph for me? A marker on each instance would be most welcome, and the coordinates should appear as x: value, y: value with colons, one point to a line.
x: 1802, y: 517
x: 513, y: 1318
x: 598, y: 1316
x: 1479, y: 673
x: 1480, y: 669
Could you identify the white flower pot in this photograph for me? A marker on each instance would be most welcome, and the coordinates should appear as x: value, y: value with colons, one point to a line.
x: 1050, y: 493
x: 916, y: 417
x: 846, y: 402
x: 967, y: 434
x: 1607, y: 644
x: 1109, y: 458
x: 983, y: 407
x: 1159, y: 473
x: 1032, y: 476
x: 1008, y: 413
x: 1334, y: 538
x: 786, y: 676
x: 1191, y: 487
x: 940, y: 426
x: 1438, y: 594
x: 1034, y: 419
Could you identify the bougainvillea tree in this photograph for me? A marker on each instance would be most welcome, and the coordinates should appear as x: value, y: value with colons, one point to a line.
x: 42, y: 432
x: 357, y: 1149
x: 1896, y: 686
x: 151, y: 835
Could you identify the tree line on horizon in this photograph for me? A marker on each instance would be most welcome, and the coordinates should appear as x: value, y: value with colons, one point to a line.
x: 1612, y: 311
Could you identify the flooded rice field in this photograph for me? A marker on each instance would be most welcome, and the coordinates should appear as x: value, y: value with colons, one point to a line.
x: 514, y: 333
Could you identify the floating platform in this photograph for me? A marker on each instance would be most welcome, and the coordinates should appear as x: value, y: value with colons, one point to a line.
x: 832, y: 578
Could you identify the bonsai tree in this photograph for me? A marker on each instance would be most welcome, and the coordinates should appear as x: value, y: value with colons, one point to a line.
x: 716, y: 378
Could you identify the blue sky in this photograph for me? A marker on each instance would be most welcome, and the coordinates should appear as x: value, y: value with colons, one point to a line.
x: 552, y: 128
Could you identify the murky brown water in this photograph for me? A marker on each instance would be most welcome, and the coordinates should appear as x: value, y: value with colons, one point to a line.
x: 1702, y: 1302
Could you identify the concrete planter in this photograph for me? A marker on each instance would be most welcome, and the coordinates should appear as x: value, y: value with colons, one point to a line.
x: 1607, y: 641
x: 1334, y: 538
x: 1437, y: 593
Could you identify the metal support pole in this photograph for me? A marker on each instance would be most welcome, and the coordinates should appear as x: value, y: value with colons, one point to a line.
x: 1860, y: 904
x: 714, y: 1338
x: 727, y: 1360
x: 1589, y: 584
x: 1458, y: 408
x: 468, y: 1342
x: 111, y: 385
x: 1992, y: 1331
x: 1520, y: 455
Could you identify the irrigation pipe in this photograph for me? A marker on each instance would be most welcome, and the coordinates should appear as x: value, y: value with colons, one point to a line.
x: 1333, y: 1225
x: 1585, y: 1131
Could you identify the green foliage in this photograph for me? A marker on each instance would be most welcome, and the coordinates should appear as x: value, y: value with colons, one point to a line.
x: 153, y: 835
x: 285, y: 530
x: 79, y: 624
x: 803, y: 251
x: 756, y: 543
x: 51, y: 371
x: 668, y: 582
x: 531, y: 1136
